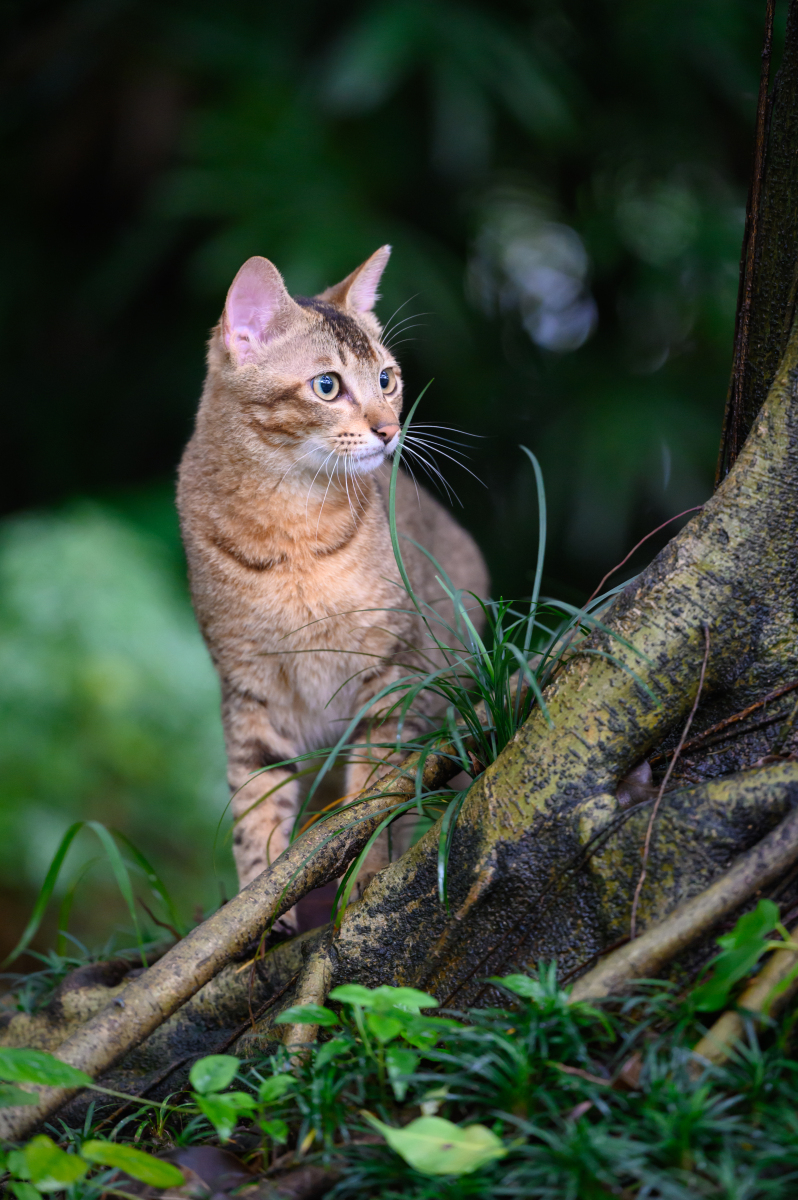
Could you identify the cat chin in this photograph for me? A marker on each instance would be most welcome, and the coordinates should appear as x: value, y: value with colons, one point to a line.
x: 368, y: 463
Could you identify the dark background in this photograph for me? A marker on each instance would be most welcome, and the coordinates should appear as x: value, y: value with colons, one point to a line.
x: 563, y: 182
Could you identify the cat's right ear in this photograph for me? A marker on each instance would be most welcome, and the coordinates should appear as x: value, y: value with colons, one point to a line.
x: 255, y: 304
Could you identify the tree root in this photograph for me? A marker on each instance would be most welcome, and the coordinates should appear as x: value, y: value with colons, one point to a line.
x: 314, y: 984
x: 764, y: 863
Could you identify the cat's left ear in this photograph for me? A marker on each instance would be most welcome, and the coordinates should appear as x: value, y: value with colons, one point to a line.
x: 359, y: 290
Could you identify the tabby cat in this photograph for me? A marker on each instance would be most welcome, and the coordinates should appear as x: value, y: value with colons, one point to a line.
x: 283, y: 504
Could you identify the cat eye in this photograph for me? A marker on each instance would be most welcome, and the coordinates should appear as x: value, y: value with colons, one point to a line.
x: 388, y: 380
x: 325, y: 386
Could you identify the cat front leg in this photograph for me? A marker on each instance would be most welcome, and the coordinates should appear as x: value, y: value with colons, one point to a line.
x: 264, y: 804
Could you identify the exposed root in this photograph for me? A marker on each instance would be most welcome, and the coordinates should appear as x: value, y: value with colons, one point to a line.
x: 761, y: 865
x: 314, y: 984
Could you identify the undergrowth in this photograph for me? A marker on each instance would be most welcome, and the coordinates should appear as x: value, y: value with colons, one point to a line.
x: 539, y: 1098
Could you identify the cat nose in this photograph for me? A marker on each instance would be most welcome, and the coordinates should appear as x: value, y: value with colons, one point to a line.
x: 385, y: 432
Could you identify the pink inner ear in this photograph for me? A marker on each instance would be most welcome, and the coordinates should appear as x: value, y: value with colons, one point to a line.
x: 255, y: 298
x: 363, y: 294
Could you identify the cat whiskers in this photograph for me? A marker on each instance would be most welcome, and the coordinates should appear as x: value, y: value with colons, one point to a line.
x: 387, y: 326
x: 296, y: 464
x: 326, y: 490
x: 430, y: 444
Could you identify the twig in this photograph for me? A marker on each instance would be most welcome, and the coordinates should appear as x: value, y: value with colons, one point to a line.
x: 662, y: 786
x: 624, y: 561
x: 733, y: 719
x: 155, y: 920
x: 730, y: 435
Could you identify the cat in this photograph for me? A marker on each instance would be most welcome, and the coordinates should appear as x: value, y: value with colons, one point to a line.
x: 284, y: 516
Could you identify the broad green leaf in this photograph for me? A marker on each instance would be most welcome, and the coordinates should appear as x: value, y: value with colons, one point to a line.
x: 352, y: 993
x: 51, y: 1168
x: 275, y: 1088
x: 24, y: 1191
x: 520, y: 985
x: 17, y: 1165
x: 330, y: 1050
x: 400, y: 1062
x: 740, y: 951
x: 11, y: 1096
x: 142, y: 1166
x: 276, y: 1129
x: 36, y: 1066
x: 214, y: 1073
x: 385, y: 1028
x: 307, y: 1014
x: 223, y: 1111
x: 408, y: 999
x: 425, y: 1032
x: 435, y: 1146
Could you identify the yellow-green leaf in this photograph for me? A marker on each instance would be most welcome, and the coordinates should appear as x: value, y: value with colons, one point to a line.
x: 142, y: 1166
x: 50, y: 1167
x: 435, y: 1146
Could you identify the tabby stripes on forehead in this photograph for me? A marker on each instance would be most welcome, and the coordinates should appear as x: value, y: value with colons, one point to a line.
x: 344, y: 329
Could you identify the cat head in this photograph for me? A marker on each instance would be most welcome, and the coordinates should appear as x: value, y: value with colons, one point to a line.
x: 309, y: 378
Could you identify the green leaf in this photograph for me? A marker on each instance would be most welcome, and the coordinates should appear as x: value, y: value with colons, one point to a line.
x: 276, y: 1129
x: 352, y: 993
x: 213, y: 1073
x: 275, y: 1088
x: 385, y: 1028
x: 330, y: 1050
x: 435, y: 1146
x: 142, y: 1166
x: 409, y: 999
x: 740, y: 951
x: 11, y: 1096
x: 17, y: 1165
x: 424, y: 1032
x: 521, y: 985
x: 384, y: 998
x: 25, y: 1191
x: 307, y: 1014
x: 400, y: 1062
x: 43, y: 899
x: 51, y: 1168
x: 223, y: 1111
x: 20, y: 1065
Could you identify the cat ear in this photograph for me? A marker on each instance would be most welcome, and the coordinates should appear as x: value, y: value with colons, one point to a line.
x: 359, y: 290
x: 256, y: 301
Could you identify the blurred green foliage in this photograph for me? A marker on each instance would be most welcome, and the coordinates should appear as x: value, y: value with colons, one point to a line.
x: 563, y: 182
x: 108, y: 707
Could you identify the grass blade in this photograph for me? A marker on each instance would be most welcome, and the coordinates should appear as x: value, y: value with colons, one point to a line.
x: 122, y: 876
x: 154, y: 880
x: 43, y: 899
